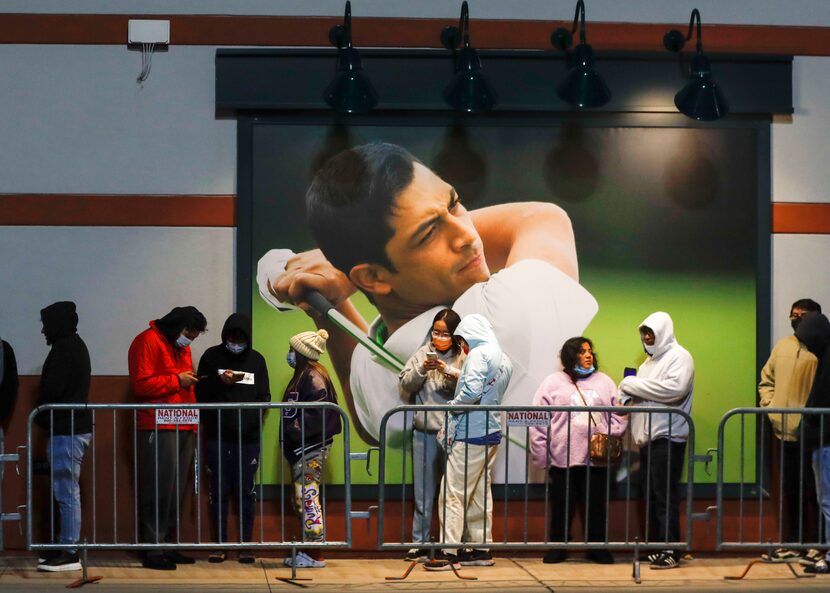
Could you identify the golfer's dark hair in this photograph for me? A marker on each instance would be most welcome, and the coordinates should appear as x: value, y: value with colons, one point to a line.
x: 351, y: 199
x: 806, y: 304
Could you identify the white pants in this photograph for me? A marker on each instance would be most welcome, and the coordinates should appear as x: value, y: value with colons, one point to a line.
x: 466, y: 491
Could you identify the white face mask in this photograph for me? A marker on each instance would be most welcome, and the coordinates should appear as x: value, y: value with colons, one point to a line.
x: 235, y: 348
x: 649, y: 349
x: 183, y: 341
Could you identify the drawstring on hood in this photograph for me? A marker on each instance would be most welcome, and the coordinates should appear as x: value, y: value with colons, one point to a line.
x: 663, y: 327
x: 59, y: 321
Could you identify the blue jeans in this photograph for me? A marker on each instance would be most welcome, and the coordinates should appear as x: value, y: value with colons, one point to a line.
x: 821, y: 468
x: 65, y: 454
x: 427, y: 471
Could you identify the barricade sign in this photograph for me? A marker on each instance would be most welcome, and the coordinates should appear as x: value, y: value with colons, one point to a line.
x: 528, y: 418
x: 177, y: 416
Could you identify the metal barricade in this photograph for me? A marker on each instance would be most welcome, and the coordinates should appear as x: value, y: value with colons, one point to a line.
x: 772, y: 501
x: 529, y: 502
x: 152, y: 465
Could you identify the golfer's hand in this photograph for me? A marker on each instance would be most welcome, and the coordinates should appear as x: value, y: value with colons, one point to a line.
x: 306, y: 271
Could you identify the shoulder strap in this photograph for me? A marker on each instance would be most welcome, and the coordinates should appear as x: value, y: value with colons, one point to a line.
x: 584, y: 401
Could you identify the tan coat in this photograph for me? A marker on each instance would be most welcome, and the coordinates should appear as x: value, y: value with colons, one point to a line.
x: 786, y: 380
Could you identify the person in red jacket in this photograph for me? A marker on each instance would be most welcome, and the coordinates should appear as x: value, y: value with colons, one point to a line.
x: 161, y: 372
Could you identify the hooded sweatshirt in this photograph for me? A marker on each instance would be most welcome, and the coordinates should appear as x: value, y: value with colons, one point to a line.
x: 254, y: 388
x: 814, y: 332
x: 66, y: 372
x: 665, y: 379
x: 9, y: 382
x: 786, y: 380
x: 485, y: 375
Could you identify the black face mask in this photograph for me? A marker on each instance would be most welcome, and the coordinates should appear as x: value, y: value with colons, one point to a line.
x: 796, y: 322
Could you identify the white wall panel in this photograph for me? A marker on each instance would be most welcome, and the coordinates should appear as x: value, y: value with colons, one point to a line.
x: 120, y: 278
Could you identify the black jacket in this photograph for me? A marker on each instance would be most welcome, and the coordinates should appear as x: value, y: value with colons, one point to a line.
x: 8, y: 388
x: 814, y: 332
x: 66, y: 372
x: 212, y: 390
x: 305, y: 430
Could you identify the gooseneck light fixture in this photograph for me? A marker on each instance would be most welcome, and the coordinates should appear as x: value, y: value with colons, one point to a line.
x: 468, y: 90
x: 582, y: 85
x: 701, y: 98
x: 350, y: 91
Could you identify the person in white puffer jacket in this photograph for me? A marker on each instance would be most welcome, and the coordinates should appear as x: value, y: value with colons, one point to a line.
x: 666, y: 378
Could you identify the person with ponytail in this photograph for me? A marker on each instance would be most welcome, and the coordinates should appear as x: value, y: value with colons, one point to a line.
x: 306, y: 434
x: 575, y: 478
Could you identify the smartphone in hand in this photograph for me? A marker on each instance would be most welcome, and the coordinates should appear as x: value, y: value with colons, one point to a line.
x: 629, y: 372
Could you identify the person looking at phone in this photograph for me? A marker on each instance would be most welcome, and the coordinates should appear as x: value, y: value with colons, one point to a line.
x: 233, y: 373
x: 429, y: 377
x: 161, y: 372
x: 306, y: 434
x: 563, y: 447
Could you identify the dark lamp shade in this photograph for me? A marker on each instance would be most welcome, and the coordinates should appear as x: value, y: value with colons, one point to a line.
x: 582, y: 85
x: 350, y: 91
x: 701, y: 98
x: 468, y: 90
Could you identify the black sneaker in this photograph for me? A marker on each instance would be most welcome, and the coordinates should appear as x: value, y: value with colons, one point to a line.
x: 664, y: 561
x: 177, y: 558
x: 443, y: 561
x: 218, y: 557
x: 782, y: 555
x: 47, y: 555
x: 600, y: 556
x: 819, y: 567
x: 475, y: 558
x: 554, y: 556
x: 417, y: 555
x: 246, y: 558
x: 158, y: 562
x: 63, y: 562
x: 810, y: 557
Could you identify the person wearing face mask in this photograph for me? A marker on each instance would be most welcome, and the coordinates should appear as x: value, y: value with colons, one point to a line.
x: 562, y: 448
x: 233, y: 372
x: 786, y: 380
x: 666, y: 379
x: 161, y: 372
x: 429, y: 377
x: 306, y: 435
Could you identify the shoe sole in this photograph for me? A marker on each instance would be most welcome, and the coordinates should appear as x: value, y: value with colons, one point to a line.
x: 478, y: 563
x: 61, y: 567
x: 442, y: 568
x: 653, y: 567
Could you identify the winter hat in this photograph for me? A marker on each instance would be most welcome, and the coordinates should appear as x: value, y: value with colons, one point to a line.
x: 310, y: 344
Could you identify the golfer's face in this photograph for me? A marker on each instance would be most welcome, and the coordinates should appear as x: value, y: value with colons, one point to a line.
x: 435, y: 248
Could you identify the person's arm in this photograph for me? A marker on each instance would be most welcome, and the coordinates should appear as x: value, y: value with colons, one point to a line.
x: 57, y: 376
x: 766, y: 387
x: 472, y: 381
x: 671, y: 389
x: 145, y: 382
x: 10, y: 386
x: 209, y: 389
x: 539, y: 441
x: 413, y: 376
x: 527, y: 230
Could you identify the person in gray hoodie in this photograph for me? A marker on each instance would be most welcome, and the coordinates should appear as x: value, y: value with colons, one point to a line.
x: 665, y: 379
x: 471, y: 441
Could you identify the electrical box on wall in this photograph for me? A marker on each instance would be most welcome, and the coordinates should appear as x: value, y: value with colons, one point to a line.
x: 148, y: 31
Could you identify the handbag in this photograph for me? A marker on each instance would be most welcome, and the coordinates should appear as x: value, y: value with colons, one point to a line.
x: 603, y: 447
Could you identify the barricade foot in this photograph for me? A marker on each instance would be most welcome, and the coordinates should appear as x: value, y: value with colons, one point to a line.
x: 409, y: 570
x: 760, y: 561
x: 293, y: 579
x: 85, y: 578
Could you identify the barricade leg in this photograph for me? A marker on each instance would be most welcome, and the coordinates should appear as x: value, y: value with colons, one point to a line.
x: 85, y: 578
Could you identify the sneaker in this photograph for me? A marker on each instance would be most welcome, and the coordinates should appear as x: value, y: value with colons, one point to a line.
x: 47, y: 555
x: 781, y: 555
x: 158, y: 562
x: 819, y: 567
x: 554, y: 556
x: 475, y: 558
x: 811, y: 557
x: 443, y: 561
x: 218, y: 557
x: 246, y: 558
x: 417, y: 555
x: 303, y: 560
x: 61, y: 563
x: 176, y: 558
x: 600, y: 556
x: 664, y: 561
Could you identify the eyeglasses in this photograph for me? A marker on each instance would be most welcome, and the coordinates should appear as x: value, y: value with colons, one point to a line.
x: 440, y: 334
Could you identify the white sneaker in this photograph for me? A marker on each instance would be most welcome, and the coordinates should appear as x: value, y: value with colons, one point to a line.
x: 303, y: 560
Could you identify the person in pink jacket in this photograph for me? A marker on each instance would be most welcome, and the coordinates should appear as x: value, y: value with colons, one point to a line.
x: 575, y: 478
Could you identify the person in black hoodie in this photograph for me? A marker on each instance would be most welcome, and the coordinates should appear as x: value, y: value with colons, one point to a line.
x: 233, y: 373
x: 814, y: 333
x: 65, y: 380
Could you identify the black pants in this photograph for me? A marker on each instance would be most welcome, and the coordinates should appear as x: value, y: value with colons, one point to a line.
x: 586, y: 491
x: 160, y: 503
x: 225, y: 485
x: 661, y: 465
x: 798, y: 494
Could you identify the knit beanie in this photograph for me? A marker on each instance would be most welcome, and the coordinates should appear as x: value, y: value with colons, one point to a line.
x: 310, y: 344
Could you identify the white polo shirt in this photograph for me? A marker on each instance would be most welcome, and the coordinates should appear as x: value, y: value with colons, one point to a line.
x: 533, y: 307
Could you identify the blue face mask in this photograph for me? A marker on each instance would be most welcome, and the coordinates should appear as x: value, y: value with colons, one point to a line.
x: 583, y: 372
x: 235, y: 348
x: 291, y: 359
x: 183, y: 341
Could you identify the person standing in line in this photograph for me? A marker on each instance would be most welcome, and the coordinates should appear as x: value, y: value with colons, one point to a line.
x: 306, y: 436
x: 429, y: 377
x: 666, y: 379
x: 814, y: 332
x: 233, y: 373
x: 161, y: 372
x: 472, y: 440
x: 562, y: 447
x: 65, y: 380
x: 786, y: 380
x: 9, y: 384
